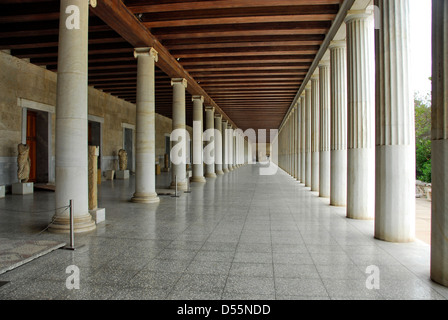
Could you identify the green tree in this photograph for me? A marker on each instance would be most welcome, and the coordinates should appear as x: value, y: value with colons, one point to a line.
x: 423, y: 136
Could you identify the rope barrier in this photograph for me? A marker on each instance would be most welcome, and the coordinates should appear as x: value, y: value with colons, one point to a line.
x: 46, y: 211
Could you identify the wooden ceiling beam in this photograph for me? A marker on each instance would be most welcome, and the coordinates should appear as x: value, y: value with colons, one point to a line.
x: 115, y: 14
x: 142, y: 6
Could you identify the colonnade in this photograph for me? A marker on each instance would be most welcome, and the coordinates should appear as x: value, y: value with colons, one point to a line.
x: 227, y: 142
x: 349, y: 135
x: 355, y: 135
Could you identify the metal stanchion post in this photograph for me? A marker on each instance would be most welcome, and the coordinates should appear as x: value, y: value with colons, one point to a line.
x: 72, y: 228
x: 175, y: 192
x: 188, y: 186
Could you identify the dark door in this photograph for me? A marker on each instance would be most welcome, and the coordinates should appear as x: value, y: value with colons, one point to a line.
x: 31, y: 141
x: 129, y: 146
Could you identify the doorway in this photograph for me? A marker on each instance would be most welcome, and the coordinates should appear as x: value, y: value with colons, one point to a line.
x: 94, y: 137
x: 37, y: 140
x: 128, y: 146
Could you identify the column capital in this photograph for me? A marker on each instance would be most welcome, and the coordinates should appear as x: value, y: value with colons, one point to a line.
x: 201, y: 98
x: 337, y: 44
x: 308, y: 86
x: 151, y: 52
x: 182, y: 81
x: 315, y: 76
x: 225, y: 122
x: 218, y: 116
x: 210, y: 108
x: 362, y: 14
x: 324, y: 63
x: 229, y: 126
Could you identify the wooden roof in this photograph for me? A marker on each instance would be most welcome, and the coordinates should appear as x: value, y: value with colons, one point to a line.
x: 247, y: 57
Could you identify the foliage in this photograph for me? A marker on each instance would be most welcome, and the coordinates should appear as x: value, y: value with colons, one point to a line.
x: 423, y: 137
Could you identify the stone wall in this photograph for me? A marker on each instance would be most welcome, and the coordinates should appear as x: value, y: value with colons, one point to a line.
x: 25, y: 84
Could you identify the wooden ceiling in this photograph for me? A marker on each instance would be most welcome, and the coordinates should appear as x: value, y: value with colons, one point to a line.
x: 247, y: 57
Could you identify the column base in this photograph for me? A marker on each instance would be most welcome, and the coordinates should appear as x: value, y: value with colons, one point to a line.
x: 395, y: 193
x: 181, y: 186
x: 211, y: 175
x: 439, y: 221
x: 198, y: 179
x: 220, y: 172
x: 361, y: 184
x: 82, y: 224
x: 145, y: 198
x: 225, y: 170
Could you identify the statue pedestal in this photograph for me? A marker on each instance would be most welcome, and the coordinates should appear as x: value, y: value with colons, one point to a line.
x: 109, y: 174
x: 98, y: 215
x: 22, y: 188
x: 122, y: 175
x: 2, y: 192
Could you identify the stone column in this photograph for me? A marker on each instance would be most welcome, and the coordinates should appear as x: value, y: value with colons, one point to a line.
x: 315, y: 119
x: 439, y: 233
x: 210, y: 125
x: 324, y: 137
x: 71, y: 123
x: 299, y: 141
x: 198, y: 128
x: 303, y: 138
x: 308, y: 135
x: 395, y: 128
x: 218, y: 145
x: 225, y: 161
x: 180, y: 169
x: 361, y: 116
x: 338, y: 189
x: 294, y: 143
x: 145, y: 175
x: 230, y: 146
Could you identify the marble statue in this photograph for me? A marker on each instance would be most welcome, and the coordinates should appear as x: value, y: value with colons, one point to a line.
x: 122, y: 160
x: 23, y: 163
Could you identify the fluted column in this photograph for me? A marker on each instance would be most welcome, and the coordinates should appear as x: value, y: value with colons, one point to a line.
x: 230, y: 146
x: 225, y: 161
x: 211, y: 147
x: 179, y: 169
x: 296, y: 176
x: 308, y: 135
x: 299, y: 141
x: 71, y: 123
x: 439, y: 221
x: 145, y: 159
x: 291, y: 144
x: 315, y: 119
x: 218, y: 145
x: 303, y: 138
x: 395, y: 129
x: 324, y: 136
x: 361, y: 116
x: 338, y: 189
x: 198, y: 128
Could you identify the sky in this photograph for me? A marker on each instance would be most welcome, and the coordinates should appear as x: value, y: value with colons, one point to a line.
x: 420, y: 33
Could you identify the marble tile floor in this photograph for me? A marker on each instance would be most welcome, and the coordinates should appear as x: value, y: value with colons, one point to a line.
x: 240, y: 236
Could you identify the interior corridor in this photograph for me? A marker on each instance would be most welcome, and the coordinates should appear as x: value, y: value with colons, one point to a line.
x: 240, y: 236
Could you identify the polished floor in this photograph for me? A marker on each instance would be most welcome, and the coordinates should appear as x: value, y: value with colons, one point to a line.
x: 240, y: 236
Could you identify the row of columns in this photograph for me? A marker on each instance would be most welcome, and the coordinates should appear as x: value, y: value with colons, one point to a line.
x: 72, y: 120
x: 356, y: 132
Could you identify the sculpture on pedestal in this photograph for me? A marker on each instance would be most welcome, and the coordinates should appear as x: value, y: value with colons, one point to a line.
x: 23, y: 163
x: 122, y: 160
